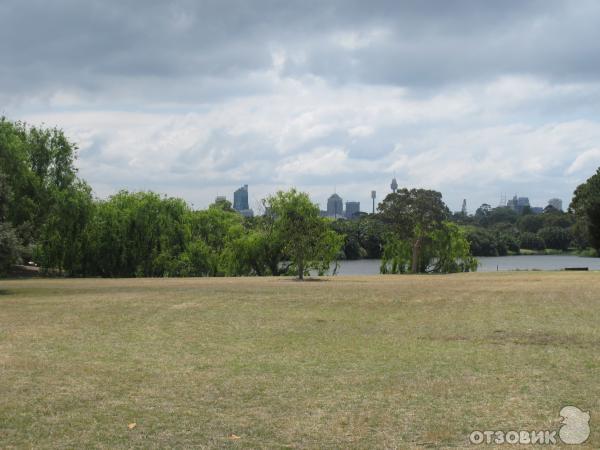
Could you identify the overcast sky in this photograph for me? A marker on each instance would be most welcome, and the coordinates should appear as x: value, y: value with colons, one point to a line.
x: 195, y: 98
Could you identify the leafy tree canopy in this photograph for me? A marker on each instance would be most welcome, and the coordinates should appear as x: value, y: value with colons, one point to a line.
x: 420, y: 238
x: 586, y: 208
x: 306, y: 237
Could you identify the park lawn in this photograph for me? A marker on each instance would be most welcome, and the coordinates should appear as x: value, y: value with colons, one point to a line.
x: 349, y: 362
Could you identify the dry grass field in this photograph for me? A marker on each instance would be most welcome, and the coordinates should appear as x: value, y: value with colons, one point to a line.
x: 349, y: 362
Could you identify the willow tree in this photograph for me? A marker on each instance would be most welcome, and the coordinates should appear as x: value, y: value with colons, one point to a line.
x: 307, y: 239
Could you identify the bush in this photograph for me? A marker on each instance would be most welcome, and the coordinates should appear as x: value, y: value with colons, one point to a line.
x: 482, y: 242
x: 532, y: 241
x: 555, y: 237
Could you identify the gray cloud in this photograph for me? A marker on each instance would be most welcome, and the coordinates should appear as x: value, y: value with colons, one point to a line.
x: 96, y: 45
x: 468, y: 97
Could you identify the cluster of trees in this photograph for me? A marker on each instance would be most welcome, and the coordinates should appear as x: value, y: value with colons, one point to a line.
x: 48, y: 215
x: 364, y: 236
x: 41, y: 197
x: 501, y: 231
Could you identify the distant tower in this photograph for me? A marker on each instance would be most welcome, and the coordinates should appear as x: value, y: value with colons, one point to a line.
x: 373, y: 195
x: 394, y: 185
x: 463, y: 210
x: 240, y: 198
x: 502, y: 200
x: 352, y: 209
x: 335, y: 206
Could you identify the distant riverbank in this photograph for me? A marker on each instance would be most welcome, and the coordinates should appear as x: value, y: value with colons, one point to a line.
x: 488, y: 264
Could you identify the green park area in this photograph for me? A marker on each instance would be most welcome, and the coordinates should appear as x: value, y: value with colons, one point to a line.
x: 408, y: 361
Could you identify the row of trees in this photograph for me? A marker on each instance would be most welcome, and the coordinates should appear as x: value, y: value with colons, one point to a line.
x: 48, y: 215
x: 501, y: 231
x: 144, y: 234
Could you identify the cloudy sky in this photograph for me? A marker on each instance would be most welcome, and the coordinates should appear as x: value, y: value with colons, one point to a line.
x: 194, y: 98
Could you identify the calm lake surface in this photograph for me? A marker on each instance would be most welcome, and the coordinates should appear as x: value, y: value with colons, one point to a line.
x: 488, y: 264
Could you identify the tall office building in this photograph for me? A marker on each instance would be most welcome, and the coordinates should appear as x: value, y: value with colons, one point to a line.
x: 518, y: 203
x: 352, y: 209
x: 556, y: 203
x: 335, y: 206
x: 240, y: 198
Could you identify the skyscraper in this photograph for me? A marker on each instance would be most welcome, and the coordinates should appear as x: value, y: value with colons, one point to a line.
x: 335, y: 206
x: 394, y: 185
x: 518, y: 203
x: 240, y: 199
x: 352, y: 209
x: 463, y: 210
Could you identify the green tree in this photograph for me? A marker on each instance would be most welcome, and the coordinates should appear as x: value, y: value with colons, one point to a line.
x: 306, y: 237
x: 449, y: 251
x: 555, y: 237
x: 38, y: 164
x: 39, y: 171
x: 532, y: 241
x: 445, y: 250
x: 585, y: 205
x: 61, y: 240
x: 10, y: 246
x: 531, y: 223
x: 351, y: 230
x: 482, y: 242
x: 223, y: 204
x: 136, y: 234
x: 413, y: 216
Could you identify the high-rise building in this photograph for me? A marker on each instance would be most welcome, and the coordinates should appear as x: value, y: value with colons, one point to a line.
x: 394, y: 185
x: 335, y: 206
x: 556, y: 203
x: 352, y: 209
x: 240, y: 198
x: 518, y: 203
x: 240, y: 201
x: 220, y: 198
x: 463, y: 210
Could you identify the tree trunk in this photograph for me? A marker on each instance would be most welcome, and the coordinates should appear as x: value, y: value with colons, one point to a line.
x: 416, y: 254
x: 301, y: 270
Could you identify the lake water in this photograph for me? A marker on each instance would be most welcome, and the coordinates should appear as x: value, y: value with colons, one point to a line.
x: 488, y: 264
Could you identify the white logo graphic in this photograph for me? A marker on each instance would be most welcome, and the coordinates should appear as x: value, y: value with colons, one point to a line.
x: 575, y: 428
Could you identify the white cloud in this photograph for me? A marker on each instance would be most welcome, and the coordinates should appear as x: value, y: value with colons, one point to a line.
x: 587, y: 161
x: 306, y: 132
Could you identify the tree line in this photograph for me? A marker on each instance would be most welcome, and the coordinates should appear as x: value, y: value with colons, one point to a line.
x: 48, y: 215
x: 502, y: 231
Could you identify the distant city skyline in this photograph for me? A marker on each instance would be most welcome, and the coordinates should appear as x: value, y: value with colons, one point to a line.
x: 333, y: 206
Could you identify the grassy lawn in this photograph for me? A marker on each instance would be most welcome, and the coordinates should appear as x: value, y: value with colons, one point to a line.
x: 351, y: 362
